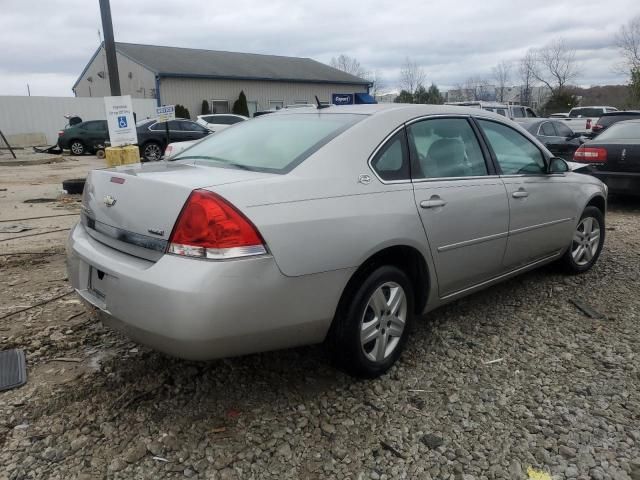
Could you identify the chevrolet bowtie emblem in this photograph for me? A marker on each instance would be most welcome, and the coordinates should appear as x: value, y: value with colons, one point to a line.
x: 109, y: 201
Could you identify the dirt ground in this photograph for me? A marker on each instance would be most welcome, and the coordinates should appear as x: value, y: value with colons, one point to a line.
x: 514, y: 382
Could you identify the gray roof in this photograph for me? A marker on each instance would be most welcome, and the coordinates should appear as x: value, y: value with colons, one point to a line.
x: 193, y: 62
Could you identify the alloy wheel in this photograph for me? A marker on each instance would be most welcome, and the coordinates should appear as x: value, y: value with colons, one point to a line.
x: 152, y: 152
x: 77, y: 148
x: 586, y: 240
x: 383, y: 322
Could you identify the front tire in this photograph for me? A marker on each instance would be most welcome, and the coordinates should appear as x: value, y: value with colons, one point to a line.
x: 587, y: 242
x: 373, y: 323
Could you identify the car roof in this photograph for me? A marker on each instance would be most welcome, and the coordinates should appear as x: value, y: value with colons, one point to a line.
x: 409, y: 109
x: 621, y: 112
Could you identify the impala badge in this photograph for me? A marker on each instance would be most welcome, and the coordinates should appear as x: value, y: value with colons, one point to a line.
x: 109, y: 201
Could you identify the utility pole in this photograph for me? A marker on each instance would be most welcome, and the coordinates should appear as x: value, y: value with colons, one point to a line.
x: 110, y: 48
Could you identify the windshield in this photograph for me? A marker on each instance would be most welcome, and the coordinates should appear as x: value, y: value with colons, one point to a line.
x: 621, y: 131
x: 273, y: 143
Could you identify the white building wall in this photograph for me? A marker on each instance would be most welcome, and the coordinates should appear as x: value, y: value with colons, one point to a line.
x: 25, y: 118
x: 135, y: 80
x: 190, y: 92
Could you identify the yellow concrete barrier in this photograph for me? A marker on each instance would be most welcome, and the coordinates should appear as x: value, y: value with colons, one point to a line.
x: 122, y: 155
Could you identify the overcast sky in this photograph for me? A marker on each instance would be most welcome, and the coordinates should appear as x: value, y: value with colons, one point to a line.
x: 47, y: 43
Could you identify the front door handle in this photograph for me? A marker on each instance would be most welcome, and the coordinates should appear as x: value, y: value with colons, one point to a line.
x: 433, y: 202
x: 520, y: 194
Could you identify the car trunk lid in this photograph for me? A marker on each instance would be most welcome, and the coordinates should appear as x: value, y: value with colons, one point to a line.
x: 133, y: 208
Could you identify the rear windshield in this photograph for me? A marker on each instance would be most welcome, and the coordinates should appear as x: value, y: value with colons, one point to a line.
x: 607, y: 120
x: 621, y: 131
x: 586, y: 112
x: 272, y: 143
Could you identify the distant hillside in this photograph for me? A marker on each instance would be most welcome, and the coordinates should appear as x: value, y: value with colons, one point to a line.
x: 609, y: 95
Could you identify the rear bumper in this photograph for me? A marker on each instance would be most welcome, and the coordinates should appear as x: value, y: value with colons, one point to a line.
x: 201, y: 310
x: 626, y: 183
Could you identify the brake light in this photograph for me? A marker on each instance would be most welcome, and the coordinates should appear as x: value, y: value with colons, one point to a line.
x: 168, y: 150
x: 590, y: 154
x: 60, y: 133
x: 210, y: 227
x: 597, y: 127
x: 588, y: 126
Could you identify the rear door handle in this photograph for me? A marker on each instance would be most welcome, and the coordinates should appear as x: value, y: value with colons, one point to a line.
x: 434, y: 202
x: 520, y: 194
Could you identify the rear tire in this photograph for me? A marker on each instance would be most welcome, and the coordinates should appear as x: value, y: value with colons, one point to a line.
x: 587, y: 242
x: 152, y: 151
x: 77, y: 147
x: 373, y: 323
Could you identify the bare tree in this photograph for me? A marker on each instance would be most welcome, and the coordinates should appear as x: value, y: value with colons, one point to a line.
x: 501, y: 74
x: 478, y: 88
x: 555, y: 65
x: 377, y: 82
x: 349, y: 65
x: 411, y: 76
x: 628, y: 41
x: 526, y: 67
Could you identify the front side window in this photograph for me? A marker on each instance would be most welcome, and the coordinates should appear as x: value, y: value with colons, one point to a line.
x: 515, y: 153
x: 445, y: 147
x: 518, y: 112
x: 273, y: 143
x: 392, y: 160
x: 562, y: 129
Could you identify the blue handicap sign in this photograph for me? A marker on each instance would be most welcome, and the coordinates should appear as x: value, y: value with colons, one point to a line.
x: 122, y: 122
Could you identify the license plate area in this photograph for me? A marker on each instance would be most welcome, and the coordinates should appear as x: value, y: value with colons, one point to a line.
x: 98, y: 283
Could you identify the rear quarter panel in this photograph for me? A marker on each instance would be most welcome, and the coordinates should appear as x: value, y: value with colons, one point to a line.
x: 319, y: 217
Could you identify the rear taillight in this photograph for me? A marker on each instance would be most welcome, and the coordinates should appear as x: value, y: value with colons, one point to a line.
x: 210, y: 227
x: 590, y: 154
x: 588, y: 125
x: 167, y: 151
x: 597, y: 127
x: 60, y: 133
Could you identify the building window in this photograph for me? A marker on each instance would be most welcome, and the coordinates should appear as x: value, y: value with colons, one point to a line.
x: 219, y: 106
x: 276, y: 104
x: 300, y: 102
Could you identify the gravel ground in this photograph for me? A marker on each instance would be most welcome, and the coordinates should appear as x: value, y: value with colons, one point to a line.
x: 514, y: 382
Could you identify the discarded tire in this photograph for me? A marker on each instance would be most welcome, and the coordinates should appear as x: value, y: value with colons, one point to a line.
x: 73, y: 186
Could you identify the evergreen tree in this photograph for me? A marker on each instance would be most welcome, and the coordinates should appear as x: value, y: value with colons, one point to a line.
x: 420, y: 95
x: 404, y: 97
x: 205, y: 108
x: 240, y: 106
x: 434, y: 96
x: 182, y: 112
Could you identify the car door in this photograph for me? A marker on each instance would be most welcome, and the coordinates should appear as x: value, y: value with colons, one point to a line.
x: 548, y: 136
x: 541, y: 205
x: 461, y: 201
x: 96, y: 133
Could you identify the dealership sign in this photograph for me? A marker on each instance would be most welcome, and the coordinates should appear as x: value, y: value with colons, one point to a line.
x: 166, y: 113
x: 342, y: 98
x: 122, y: 125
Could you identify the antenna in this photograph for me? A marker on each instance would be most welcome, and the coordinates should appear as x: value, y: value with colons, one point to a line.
x: 319, y: 105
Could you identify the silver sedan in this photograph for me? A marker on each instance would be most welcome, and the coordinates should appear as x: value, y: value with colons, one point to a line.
x: 340, y: 224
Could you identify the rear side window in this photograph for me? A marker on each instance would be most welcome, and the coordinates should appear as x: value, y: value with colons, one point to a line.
x: 445, y: 147
x: 546, y: 130
x: 273, y: 143
x: 190, y: 127
x: 515, y: 153
x: 392, y: 160
x: 226, y: 119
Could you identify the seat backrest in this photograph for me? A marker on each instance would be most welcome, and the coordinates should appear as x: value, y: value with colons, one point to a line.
x: 447, y: 158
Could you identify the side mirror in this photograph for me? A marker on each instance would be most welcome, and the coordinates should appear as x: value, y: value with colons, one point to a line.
x: 558, y: 165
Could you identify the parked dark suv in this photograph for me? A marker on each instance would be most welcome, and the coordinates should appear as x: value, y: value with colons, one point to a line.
x: 152, y: 135
x: 84, y: 137
x: 608, y: 119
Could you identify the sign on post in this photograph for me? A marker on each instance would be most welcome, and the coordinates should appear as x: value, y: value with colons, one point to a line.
x: 166, y: 113
x: 120, y: 121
